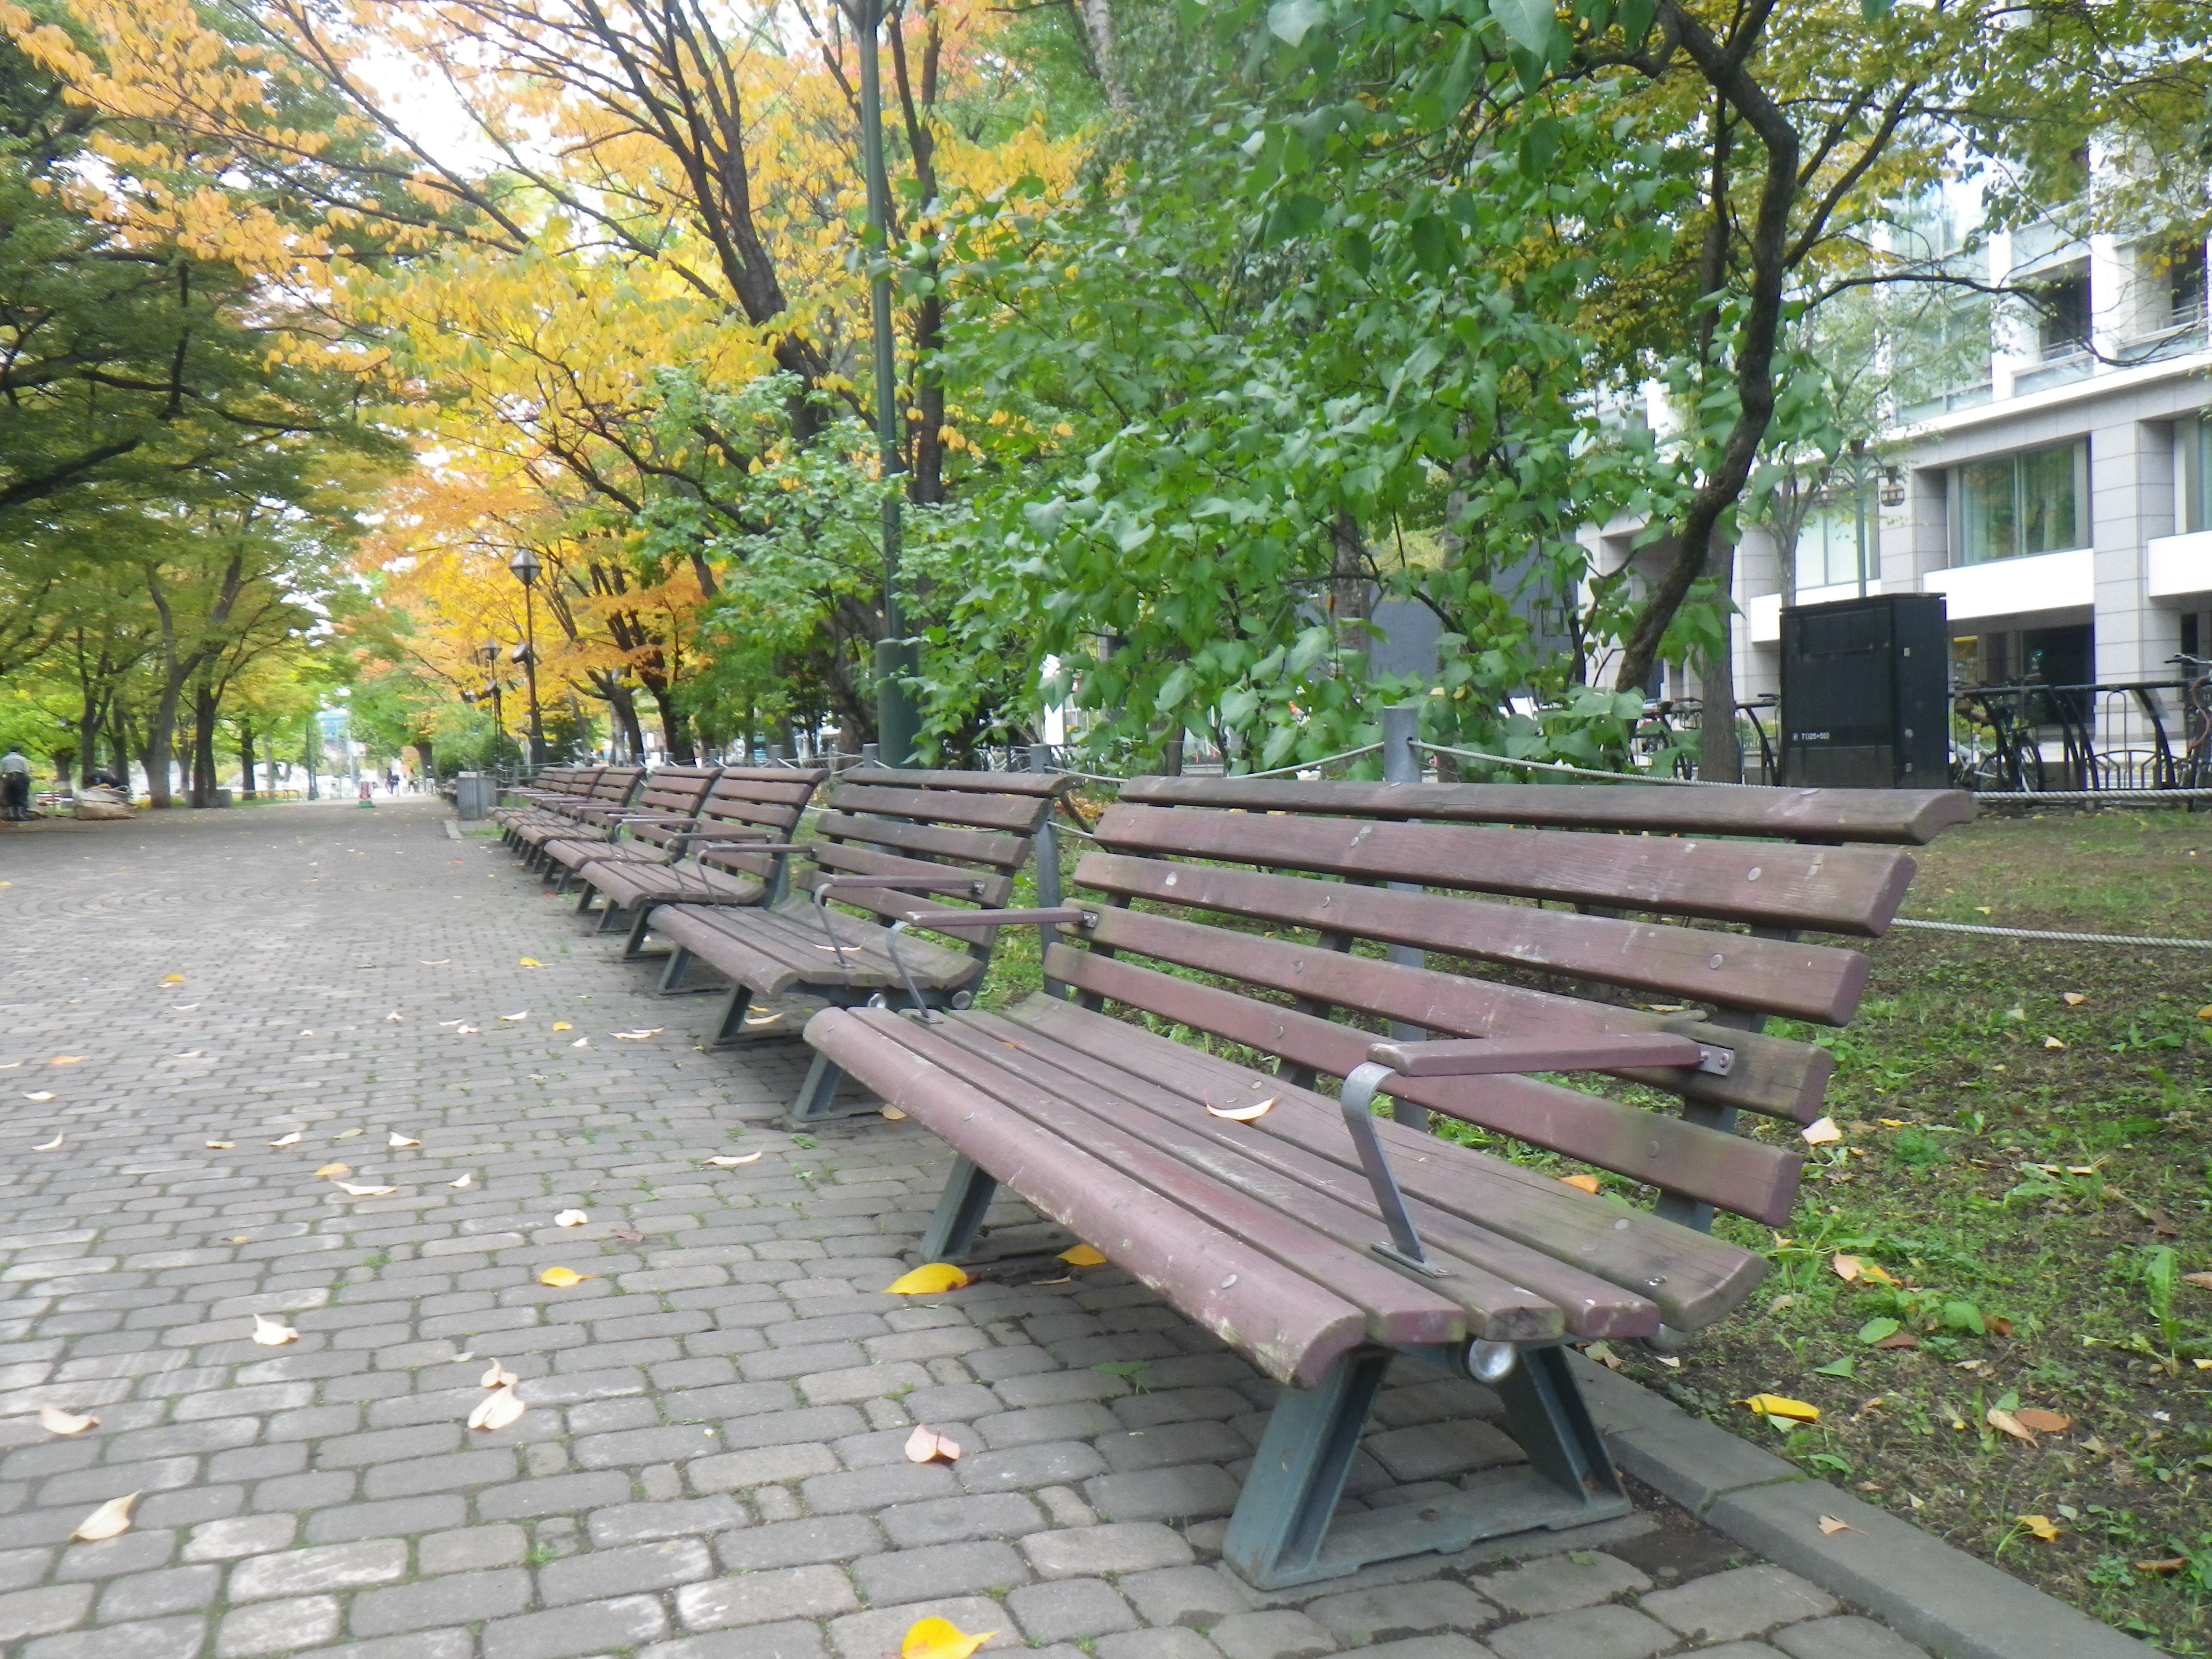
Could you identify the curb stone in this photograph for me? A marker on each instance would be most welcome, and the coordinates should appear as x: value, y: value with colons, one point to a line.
x: 1954, y: 1604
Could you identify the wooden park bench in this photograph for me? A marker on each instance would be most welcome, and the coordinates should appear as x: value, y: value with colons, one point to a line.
x: 551, y: 816
x: 710, y: 859
x: 1323, y: 1241
x: 884, y: 837
x: 670, y: 796
x: 553, y: 783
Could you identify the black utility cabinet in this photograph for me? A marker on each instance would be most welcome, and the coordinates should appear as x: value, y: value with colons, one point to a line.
x: 1866, y: 693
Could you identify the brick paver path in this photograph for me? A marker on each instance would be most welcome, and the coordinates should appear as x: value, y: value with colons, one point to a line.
x: 711, y: 1464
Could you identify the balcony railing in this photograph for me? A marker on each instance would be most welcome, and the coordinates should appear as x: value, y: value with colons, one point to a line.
x: 1944, y: 403
x: 2062, y: 368
x: 2184, y: 335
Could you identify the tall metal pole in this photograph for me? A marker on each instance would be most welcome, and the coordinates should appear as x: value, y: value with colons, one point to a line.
x: 896, y: 722
x: 530, y: 669
x: 1401, y: 763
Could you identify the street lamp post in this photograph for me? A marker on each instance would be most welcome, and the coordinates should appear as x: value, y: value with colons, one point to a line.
x: 896, y: 722
x: 526, y: 566
x: 489, y: 651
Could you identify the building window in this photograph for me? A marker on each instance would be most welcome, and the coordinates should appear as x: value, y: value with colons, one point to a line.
x: 2196, y: 472
x: 2061, y: 308
x: 1829, y: 547
x: 2035, y: 502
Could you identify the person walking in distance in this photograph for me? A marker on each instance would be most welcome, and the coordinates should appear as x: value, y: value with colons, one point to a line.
x: 15, y: 786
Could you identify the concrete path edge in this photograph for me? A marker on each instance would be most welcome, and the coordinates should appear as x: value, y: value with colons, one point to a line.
x: 1950, y: 1602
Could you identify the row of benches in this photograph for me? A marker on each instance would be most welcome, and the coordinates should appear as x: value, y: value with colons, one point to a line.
x: 1237, y: 942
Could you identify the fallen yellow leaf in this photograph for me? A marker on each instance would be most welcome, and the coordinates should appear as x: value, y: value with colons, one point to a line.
x: 1776, y: 1404
x: 499, y: 1377
x: 66, y: 1060
x: 941, y: 1638
x: 732, y: 1163
x: 2075, y: 999
x: 1083, y: 1255
x: 2202, y: 1281
x: 221, y: 1146
x: 1243, y: 1113
x: 272, y: 1332
x: 927, y: 1279
x: 925, y: 1445
x: 562, y: 1025
x: 499, y: 1408
x: 561, y: 1277
x: 333, y: 1171
x: 173, y: 979
x: 292, y: 1139
x: 365, y: 1192
x: 55, y: 1421
x: 893, y: 1115
x: 1589, y: 1183
x: 2174, y: 1564
x: 346, y: 1134
x: 1830, y: 1525
x: 463, y: 1182
x: 2205, y: 1012
x: 2053, y: 1042
x: 1846, y: 1267
x: 2041, y: 1525
x: 397, y: 1140
x: 1876, y: 1273
x: 524, y: 1014
x: 1891, y: 1122
x: 570, y: 1219
x: 1821, y: 1131
x: 110, y: 1520
x: 528, y: 961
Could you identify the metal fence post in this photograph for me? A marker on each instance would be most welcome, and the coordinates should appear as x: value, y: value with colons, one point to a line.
x: 1047, y: 869
x: 868, y: 754
x: 1401, y: 763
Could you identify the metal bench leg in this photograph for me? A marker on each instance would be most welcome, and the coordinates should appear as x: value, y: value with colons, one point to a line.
x: 1282, y: 1533
x: 671, y: 976
x: 1545, y: 1412
x: 731, y: 1027
x: 608, y: 912
x: 634, y: 946
x: 959, y: 1218
x: 818, y: 1095
x: 1282, y: 1515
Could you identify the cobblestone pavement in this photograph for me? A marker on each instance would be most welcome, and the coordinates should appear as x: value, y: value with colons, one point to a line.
x: 209, y: 1008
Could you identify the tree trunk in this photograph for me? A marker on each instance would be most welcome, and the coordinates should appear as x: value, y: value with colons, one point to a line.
x: 160, y: 730
x: 204, y: 708
x: 1720, y: 755
x: 1347, y: 582
x: 673, y: 724
x: 246, y: 755
x: 1099, y: 30
x: 87, y: 739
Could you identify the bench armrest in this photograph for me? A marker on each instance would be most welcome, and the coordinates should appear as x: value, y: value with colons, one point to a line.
x: 752, y: 838
x: 897, y: 884
x: 953, y: 920
x: 1496, y: 1056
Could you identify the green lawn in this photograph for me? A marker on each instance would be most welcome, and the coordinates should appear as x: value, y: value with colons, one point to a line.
x: 2038, y: 1207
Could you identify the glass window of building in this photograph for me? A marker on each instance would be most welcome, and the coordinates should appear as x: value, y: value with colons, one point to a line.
x: 1828, y: 547
x: 2009, y: 506
x: 2196, y: 472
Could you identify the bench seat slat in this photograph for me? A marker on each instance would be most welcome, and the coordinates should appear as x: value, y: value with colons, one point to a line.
x: 1841, y: 890
x: 1290, y: 1325
x: 771, y: 950
x: 1493, y: 1277
x: 1899, y: 817
x: 1770, y: 1075
x: 1725, y: 1171
x: 1818, y: 982
x: 1703, y: 1278
x: 629, y: 882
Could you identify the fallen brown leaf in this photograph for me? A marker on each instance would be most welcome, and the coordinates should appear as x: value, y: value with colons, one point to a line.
x: 1830, y: 1525
x: 2042, y: 1421
x: 55, y: 1421
x: 925, y: 1445
x: 2006, y: 1423
x: 333, y: 1171
x: 1588, y: 1184
x: 499, y: 1377
x: 1898, y: 1340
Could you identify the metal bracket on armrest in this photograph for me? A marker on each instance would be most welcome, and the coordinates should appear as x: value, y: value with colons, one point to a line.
x: 895, y: 883
x: 1487, y: 1057
x: 950, y: 921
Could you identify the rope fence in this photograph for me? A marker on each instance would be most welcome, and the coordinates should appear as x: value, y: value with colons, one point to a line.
x: 2047, y: 933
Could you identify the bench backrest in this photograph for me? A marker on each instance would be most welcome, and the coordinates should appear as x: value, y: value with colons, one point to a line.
x: 670, y: 791
x: 615, y: 783
x: 769, y: 798
x: 565, y: 781
x: 976, y: 829
x: 1694, y: 918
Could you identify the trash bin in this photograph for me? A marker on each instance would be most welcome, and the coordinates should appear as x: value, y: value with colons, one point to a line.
x: 474, y: 792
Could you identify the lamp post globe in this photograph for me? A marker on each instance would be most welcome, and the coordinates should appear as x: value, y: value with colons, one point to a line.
x: 526, y: 566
